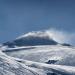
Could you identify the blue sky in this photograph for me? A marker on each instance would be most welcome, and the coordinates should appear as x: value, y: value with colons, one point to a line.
x: 21, y: 16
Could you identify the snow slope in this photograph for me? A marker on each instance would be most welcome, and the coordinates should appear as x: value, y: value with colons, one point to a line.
x: 9, y: 66
x: 15, y: 66
x: 44, y: 53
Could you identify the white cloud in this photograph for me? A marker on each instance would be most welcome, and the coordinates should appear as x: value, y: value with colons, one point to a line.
x: 61, y: 36
x: 57, y: 35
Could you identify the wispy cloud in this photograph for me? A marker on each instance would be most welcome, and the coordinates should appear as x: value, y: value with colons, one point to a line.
x: 52, y: 33
x: 61, y: 36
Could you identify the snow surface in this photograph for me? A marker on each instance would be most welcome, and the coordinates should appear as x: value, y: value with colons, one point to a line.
x: 31, y: 60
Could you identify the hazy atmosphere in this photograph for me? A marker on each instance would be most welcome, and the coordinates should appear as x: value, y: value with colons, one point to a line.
x: 22, y: 16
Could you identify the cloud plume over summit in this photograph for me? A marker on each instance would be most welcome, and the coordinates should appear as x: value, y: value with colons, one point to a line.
x: 57, y: 35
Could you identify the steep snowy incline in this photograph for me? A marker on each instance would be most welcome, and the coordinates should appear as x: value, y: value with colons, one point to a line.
x: 9, y: 66
x: 50, y: 68
x: 16, y: 66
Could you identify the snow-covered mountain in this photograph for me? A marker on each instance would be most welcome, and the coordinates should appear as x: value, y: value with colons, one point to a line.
x: 36, y: 53
x: 31, y: 39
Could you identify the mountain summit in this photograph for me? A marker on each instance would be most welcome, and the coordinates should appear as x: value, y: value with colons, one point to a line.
x: 32, y: 39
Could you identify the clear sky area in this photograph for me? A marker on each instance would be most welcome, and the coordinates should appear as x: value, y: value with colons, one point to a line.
x: 22, y: 16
